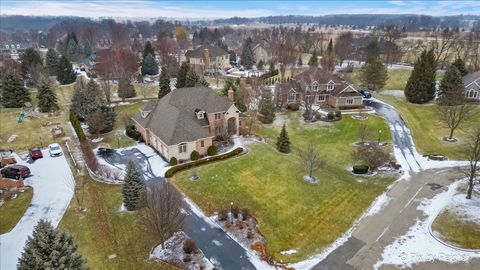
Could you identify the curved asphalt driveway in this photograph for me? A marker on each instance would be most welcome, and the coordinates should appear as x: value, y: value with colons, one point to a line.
x: 224, y: 252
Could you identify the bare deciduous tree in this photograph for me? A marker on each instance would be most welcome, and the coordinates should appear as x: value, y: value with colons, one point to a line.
x: 311, y: 159
x: 364, y: 131
x: 473, y: 169
x: 162, y: 213
x: 454, y: 115
x: 372, y: 155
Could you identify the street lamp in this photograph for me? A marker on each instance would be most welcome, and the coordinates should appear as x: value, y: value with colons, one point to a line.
x: 379, y: 134
x: 231, y: 213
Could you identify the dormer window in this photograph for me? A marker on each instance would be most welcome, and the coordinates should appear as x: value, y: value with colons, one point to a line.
x: 6, y: 46
x: 144, y: 114
x: 315, y: 86
x: 330, y: 86
x: 18, y: 46
x: 200, y: 113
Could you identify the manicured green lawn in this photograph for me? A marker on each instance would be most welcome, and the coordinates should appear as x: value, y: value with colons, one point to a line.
x: 457, y: 232
x: 397, y: 78
x: 292, y: 213
x: 427, y: 129
x: 12, y: 210
x: 103, y: 231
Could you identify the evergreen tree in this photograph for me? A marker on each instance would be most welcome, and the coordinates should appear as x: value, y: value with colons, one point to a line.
x: 313, y: 61
x: 47, y: 99
x: 14, y: 93
x: 163, y: 83
x: 451, y: 86
x: 148, y: 50
x: 192, y: 78
x: 70, y: 47
x: 460, y: 64
x: 133, y: 187
x: 372, y: 50
x: 125, y: 89
x: 149, y: 65
x: 182, y: 75
x: 203, y: 82
x: 30, y: 60
x: 328, y: 59
x: 65, y: 73
x: 86, y: 99
x: 283, y: 142
x: 266, y: 113
x: 52, y: 62
x: 374, y: 74
x: 248, y: 57
x: 420, y: 86
x: 50, y: 248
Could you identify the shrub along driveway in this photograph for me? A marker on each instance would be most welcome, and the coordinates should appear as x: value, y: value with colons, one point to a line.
x: 292, y: 213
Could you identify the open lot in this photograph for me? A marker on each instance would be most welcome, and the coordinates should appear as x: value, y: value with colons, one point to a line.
x: 427, y: 129
x: 292, y: 213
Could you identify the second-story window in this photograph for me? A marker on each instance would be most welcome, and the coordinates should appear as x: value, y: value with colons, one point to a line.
x: 218, y: 116
x: 330, y: 86
x: 202, y: 143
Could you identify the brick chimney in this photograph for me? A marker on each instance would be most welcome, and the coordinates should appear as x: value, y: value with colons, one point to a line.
x: 230, y: 94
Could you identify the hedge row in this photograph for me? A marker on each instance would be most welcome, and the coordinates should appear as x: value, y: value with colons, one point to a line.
x: 170, y: 172
x: 77, y: 127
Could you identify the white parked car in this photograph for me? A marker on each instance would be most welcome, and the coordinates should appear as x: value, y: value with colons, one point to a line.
x: 55, y: 150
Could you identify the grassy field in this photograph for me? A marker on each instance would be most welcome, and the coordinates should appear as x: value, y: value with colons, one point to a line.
x: 13, y: 210
x: 427, y: 129
x: 292, y: 213
x: 457, y: 232
x: 102, y: 231
x: 31, y: 132
x: 397, y: 78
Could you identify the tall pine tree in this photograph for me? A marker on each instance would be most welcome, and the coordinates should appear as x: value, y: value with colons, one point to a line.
x: 149, y: 65
x: 14, y: 93
x: 163, y: 83
x: 182, y: 75
x: 30, y: 60
x: 65, y: 73
x: 266, y: 113
x: 283, y: 142
x: 460, y: 64
x: 248, y: 57
x: 451, y: 87
x: 51, y: 61
x: 148, y: 50
x: 47, y: 99
x: 192, y: 78
x: 125, y: 89
x: 420, y: 86
x: 313, y: 61
x: 50, y: 248
x: 374, y: 74
x: 133, y: 187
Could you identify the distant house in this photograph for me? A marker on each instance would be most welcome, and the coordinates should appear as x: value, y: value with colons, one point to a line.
x: 472, y: 86
x: 13, y: 50
x: 104, y: 43
x: 325, y: 88
x: 206, y: 58
x: 187, y: 120
x: 263, y: 51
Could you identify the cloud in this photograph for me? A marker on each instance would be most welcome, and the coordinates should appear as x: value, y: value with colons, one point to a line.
x: 397, y: 3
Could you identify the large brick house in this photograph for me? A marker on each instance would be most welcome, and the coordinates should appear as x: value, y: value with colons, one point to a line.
x: 472, y: 86
x: 207, y: 58
x: 187, y: 119
x: 323, y: 87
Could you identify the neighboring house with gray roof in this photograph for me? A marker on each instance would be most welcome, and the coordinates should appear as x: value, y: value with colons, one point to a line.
x: 207, y: 58
x: 323, y: 87
x: 187, y: 119
x: 472, y: 86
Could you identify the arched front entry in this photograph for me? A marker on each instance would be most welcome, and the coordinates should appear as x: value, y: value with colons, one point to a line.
x: 232, y: 126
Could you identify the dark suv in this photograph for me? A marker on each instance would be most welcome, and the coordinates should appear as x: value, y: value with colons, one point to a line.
x: 15, y: 171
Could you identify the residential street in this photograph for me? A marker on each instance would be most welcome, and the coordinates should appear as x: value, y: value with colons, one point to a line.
x: 53, y: 186
x: 373, y: 233
x: 217, y: 246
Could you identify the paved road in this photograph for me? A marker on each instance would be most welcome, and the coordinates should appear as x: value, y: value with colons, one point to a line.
x: 364, y: 248
x: 217, y: 246
x: 53, y: 186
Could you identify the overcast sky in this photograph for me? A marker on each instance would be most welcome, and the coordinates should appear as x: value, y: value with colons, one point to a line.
x: 226, y: 9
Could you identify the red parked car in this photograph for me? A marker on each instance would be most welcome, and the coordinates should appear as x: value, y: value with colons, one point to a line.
x: 35, y: 153
x: 15, y: 171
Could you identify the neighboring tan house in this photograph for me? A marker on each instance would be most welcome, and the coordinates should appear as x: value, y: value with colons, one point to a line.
x: 208, y: 58
x: 472, y: 86
x: 325, y: 88
x: 12, y: 50
x: 262, y: 52
x: 187, y: 119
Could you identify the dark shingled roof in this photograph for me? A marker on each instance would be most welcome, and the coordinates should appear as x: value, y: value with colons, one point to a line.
x: 173, y: 119
x: 469, y: 78
x: 212, y: 51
